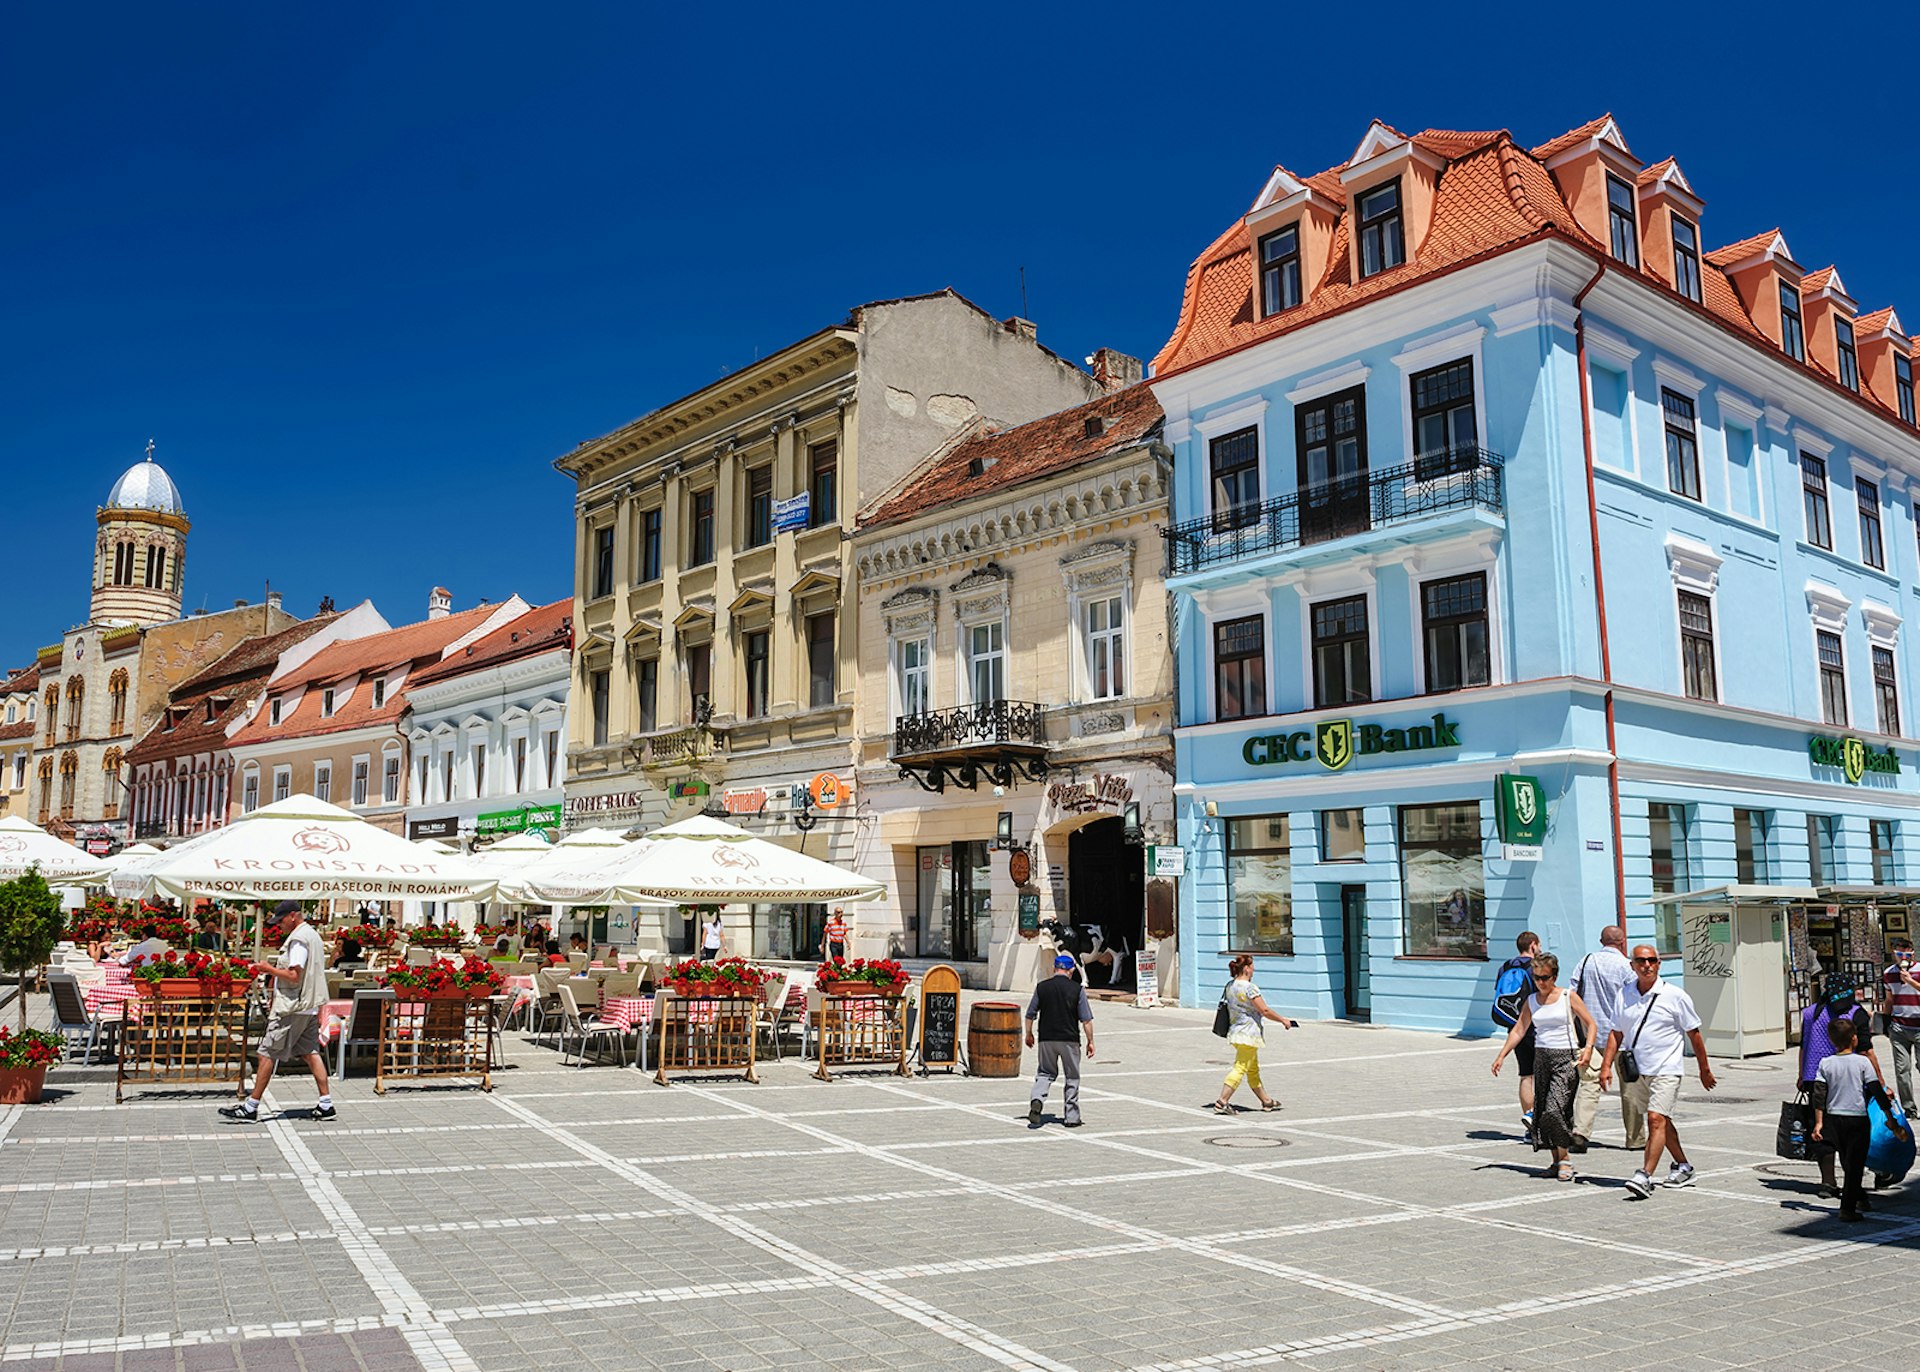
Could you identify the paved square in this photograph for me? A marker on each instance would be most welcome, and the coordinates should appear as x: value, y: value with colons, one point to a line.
x: 1387, y: 1217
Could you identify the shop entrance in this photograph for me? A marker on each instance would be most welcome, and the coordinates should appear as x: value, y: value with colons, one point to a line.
x: 1353, y: 944
x: 1107, y: 895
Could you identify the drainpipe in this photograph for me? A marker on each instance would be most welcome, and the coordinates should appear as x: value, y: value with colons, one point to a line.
x: 1600, y: 600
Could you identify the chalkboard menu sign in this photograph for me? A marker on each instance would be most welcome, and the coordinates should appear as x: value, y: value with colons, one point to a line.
x: 939, y: 1018
x: 1029, y: 912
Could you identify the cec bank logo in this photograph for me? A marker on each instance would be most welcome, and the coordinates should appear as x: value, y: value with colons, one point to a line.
x: 1333, y: 743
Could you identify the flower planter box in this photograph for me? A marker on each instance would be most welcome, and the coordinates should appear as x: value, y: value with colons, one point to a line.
x: 860, y: 988
x: 22, y: 1085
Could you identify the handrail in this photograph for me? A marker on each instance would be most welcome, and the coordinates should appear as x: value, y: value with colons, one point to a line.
x: 993, y: 721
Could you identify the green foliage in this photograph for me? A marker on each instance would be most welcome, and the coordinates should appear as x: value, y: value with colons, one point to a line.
x: 30, y: 924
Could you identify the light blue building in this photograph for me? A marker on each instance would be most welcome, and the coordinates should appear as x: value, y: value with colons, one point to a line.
x: 1406, y: 397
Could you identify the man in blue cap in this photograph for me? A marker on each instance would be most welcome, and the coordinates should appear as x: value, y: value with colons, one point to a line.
x: 1060, y: 1005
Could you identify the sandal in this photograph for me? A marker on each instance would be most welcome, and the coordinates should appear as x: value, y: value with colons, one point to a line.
x: 1221, y: 1107
x: 1268, y: 1107
x: 1564, y: 1172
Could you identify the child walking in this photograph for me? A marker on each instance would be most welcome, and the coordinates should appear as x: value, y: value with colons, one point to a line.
x: 1846, y: 1082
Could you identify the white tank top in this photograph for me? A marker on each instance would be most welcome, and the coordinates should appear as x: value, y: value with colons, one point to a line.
x: 1552, y: 1024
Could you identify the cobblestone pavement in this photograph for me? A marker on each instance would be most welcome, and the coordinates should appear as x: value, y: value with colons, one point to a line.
x: 585, y: 1218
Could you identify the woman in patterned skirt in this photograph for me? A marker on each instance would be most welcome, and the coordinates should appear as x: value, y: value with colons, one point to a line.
x: 1562, y: 1041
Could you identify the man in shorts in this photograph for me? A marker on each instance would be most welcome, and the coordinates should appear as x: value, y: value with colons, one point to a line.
x: 293, y: 1024
x: 1657, y: 1019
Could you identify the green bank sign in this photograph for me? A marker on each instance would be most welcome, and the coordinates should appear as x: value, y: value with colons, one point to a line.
x: 518, y: 821
x: 1333, y: 743
x: 1852, y: 756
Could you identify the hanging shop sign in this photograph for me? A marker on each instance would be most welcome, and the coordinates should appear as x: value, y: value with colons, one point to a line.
x: 750, y: 801
x: 795, y: 512
x: 829, y: 790
x: 1020, y: 867
x: 688, y: 790
x: 434, y: 828
x: 1520, y: 807
x: 1853, y: 756
x: 1333, y: 743
x: 1029, y: 912
x: 1164, y: 860
x: 1105, y: 792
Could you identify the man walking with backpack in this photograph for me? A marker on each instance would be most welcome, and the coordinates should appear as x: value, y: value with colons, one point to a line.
x: 1512, y: 984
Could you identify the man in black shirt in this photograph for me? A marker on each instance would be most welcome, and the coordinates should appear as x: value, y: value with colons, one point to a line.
x: 1060, y: 1005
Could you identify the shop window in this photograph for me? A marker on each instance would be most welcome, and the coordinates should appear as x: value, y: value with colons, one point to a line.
x: 1886, y: 692
x: 1883, y: 868
x: 955, y: 906
x: 821, y: 673
x: 1454, y: 625
x: 1867, y: 495
x: 1667, y: 852
x: 1260, y: 884
x: 1750, y: 866
x: 649, y: 702
x: 1813, y: 498
x: 599, y: 684
x: 1696, y: 647
x: 786, y: 932
x: 757, y: 648
x: 759, y: 506
x: 1235, y: 462
x: 1343, y: 836
x: 1833, y: 677
x: 1820, y: 868
x: 1240, y: 668
x: 1342, y: 664
x: 1106, y: 626
x: 1443, y: 881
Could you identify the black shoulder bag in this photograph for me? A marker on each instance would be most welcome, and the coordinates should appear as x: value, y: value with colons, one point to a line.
x: 1629, y: 1069
x: 1222, y: 1016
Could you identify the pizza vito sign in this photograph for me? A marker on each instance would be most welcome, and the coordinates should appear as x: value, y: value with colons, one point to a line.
x: 1852, y: 756
x: 1333, y: 743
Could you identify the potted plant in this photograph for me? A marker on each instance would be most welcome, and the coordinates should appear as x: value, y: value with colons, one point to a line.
x: 30, y: 926
x: 370, y: 935
x: 24, y: 1060
x: 436, y: 936
x: 472, y: 978
x: 861, y: 977
x: 192, y: 973
x: 720, y: 977
x: 161, y: 924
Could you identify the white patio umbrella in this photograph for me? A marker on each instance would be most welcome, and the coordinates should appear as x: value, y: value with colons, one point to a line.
x: 588, y: 846
x: 302, y: 849
x: 702, y: 861
x: 435, y: 845
x: 25, y: 845
x: 126, y: 855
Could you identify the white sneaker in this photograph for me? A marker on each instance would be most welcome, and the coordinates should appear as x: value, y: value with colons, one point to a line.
x: 1680, y: 1174
x: 1639, y: 1185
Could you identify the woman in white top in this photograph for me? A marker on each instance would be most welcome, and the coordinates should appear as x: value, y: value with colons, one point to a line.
x: 1247, y: 1012
x: 713, y: 937
x: 1563, y: 1038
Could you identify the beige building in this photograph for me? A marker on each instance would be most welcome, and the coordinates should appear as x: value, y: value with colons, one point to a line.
x: 19, y: 705
x: 715, y: 661
x: 1015, y: 711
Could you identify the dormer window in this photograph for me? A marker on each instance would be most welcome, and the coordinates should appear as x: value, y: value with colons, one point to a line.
x: 1686, y: 259
x: 1622, y: 228
x: 326, y: 703
x: 1793, y: 338
x: 1383, y: 240
x: 1844, y: 350
x: 1280, y: 270
x: 1903, y: 386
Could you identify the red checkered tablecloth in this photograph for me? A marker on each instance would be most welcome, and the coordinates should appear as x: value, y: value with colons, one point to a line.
x: 629, y: 1012
x: 109, y: 1001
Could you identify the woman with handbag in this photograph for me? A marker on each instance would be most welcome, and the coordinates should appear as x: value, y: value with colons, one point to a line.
x: 1563, y: 1036
x: 1246, y: 1015
x: 1836, y: 1004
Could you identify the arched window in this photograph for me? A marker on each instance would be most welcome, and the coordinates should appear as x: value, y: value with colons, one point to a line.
x: 69, y: 775
x: 110, y: 766
x: 117, y: 700
x: 46, y: 789
x: 76, y: 697
x: 123, y: 564
x: 156, y: 568
x: 53, y: 711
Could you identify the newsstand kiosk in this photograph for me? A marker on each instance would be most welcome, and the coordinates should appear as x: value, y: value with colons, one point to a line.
x: 1733, y: 940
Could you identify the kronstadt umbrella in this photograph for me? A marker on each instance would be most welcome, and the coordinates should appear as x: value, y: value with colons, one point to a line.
x: 25, y: 845
x: 302, y: 849
x: 702, y: 861
x: 588, y: 846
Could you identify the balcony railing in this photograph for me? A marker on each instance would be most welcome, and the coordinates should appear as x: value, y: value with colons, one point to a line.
x: 997, y: 722
x: 1456, y: 479
x: 695, y: 743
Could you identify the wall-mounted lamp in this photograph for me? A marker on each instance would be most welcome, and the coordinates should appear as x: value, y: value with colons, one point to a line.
x: 1130, y: 823
x: 1213, y: 810
x: 1003, y: 831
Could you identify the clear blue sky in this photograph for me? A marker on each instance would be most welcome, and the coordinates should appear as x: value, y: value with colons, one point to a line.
x: 363, y: 271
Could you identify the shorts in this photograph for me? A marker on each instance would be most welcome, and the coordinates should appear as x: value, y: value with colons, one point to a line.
x: 291, y: 1037
x: 1523, y: 1055
x: 1663, y: 1093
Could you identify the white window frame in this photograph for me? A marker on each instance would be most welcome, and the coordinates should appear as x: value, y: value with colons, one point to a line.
x: 390, y: 756
x: 282, y: 783
x: 1828, y: 610
x: 1614, y: 354
x: 249, y: 788
x: 1741, y: 413
x: 273, y: 710
x: 1243, y: 602
x: 1695, y: 568
x: 1249, y: 413
x: 379, y: 689
x: 361, y: 785
x: 967, y: 655
x: 1342, y: 590
x: 899, y: 672
x: 1440, y: 564
x: 1462, y: 343
x: 323, y: 778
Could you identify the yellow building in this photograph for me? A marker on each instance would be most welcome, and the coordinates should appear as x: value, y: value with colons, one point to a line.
x: 714, y: 655
x: 1015, y: 721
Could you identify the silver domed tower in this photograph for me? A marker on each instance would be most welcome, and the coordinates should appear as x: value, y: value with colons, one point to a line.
x: 140, y: 553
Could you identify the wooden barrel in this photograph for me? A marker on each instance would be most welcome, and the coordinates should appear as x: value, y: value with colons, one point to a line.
x: 993, y: 1039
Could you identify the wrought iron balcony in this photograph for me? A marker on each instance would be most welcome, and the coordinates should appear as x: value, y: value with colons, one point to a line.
x: 1453, y: 479
x: 1001, y: 741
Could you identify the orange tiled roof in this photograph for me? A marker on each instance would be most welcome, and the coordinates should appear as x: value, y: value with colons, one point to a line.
x: 233, y: 682
x: 540, y: 630
x: 26, y: 679
x: 1491, y: 197
x: 994, y: 459
x: 408, y: 643
x: 18, y: 729
x: 1874, y: 322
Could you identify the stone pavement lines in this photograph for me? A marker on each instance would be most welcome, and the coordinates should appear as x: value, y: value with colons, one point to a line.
x: 978, y: 1339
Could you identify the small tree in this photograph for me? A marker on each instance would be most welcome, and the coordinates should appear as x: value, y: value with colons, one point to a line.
x: 30, y: 924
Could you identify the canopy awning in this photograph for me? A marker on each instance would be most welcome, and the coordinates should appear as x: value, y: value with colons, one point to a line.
x: 1738, y: 893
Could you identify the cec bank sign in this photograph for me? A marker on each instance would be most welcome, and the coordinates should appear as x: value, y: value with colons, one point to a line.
x: 1333, y: 743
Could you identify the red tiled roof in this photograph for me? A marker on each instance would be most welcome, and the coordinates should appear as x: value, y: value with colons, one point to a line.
x: 1815, y: 282
x: 408, y: 643
x: 1452, y: 143
x: 26, y: 679
x: 991, y: 460
x: 258, y: 654
x: 540, y: 630
x: 19, y: 729
x: 1490, y: 199
x: 233, y: 682
x: 1874, y: 322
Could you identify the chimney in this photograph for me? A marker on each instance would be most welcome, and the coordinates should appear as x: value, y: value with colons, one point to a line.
x: 273, y: 600
x: 440, y: 603
x: 240, y: 604
x: 1023, y: 328
x: 1114, y: 370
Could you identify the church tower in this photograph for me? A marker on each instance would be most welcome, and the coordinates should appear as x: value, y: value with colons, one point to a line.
x: 141, y: 550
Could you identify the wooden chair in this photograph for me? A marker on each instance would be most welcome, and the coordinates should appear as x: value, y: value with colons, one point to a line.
x: 586, y: 1030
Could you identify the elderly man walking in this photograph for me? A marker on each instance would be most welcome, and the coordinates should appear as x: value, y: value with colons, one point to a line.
x: 1601, y: 981
x: 1655, y: 1023
x: 293, y: 1024
x: 1061, y: 1007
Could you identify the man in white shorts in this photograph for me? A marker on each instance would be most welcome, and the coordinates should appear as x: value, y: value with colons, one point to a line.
x: 293, y: 1024
x: 1657, y: 1019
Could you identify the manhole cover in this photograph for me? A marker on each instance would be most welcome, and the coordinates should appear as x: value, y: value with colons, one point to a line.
x: 1249, y: 1141
x: 1718, y: 1099
x: 1796, y: 1170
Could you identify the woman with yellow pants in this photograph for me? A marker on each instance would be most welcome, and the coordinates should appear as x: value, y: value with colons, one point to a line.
x: 1247, y: 1010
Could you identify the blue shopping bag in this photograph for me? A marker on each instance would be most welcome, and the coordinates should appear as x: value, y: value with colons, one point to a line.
x: 1888, y: 1154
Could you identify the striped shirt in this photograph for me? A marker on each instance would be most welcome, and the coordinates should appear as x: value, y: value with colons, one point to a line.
x: 1903, y: 1002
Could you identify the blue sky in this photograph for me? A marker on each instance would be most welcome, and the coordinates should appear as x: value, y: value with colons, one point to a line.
x: 363, y: 271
